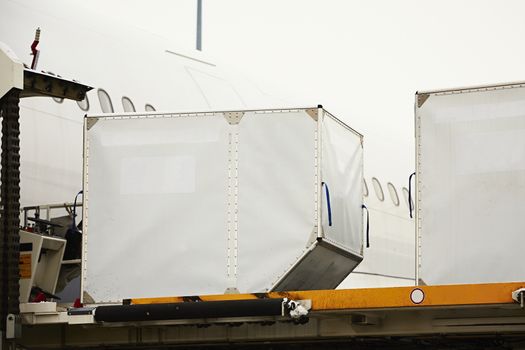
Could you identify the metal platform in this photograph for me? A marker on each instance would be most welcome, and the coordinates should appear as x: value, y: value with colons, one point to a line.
x: 417, y: 315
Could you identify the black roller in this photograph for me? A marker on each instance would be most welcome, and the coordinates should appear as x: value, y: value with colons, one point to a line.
x: 189, y: 310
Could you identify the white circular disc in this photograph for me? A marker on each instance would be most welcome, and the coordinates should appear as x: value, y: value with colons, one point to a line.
x: 417, y: 296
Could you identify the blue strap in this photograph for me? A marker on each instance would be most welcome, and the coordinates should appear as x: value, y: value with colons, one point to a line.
x: 328, y: 203
x: 367, y: 226
x: 75, y: 208
x: 410, y: 193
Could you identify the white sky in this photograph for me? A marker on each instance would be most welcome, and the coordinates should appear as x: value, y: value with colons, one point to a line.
x: 363, y: 60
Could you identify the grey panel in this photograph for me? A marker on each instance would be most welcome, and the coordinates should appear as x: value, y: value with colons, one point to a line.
x: 324, y: 266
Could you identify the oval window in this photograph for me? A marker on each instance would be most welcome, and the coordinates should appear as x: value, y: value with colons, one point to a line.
x: 105, y: 101
x: 150, y: 108
x: 84, y: 104
x: 378, y: 189
x: 127, y: 104
x: 393, y: 194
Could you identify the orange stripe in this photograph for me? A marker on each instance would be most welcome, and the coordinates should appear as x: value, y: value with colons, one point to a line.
x: 370, y: 298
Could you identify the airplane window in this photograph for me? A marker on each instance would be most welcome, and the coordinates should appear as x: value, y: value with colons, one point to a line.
x: 393, y: 194
x: 378, y: 189
x: 105, y: 101
x: 127, y: 104
x: 405, y: 194
x: 365, y: 188
x: 84, y: 104
x: 149, y: 108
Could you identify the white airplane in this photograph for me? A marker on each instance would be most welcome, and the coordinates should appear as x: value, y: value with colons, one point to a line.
x: 132, y: 70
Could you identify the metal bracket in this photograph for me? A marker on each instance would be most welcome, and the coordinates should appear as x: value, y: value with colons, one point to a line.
x: 231, y: 290
x: 13, y: 327
x: 297, y: 309
x: 421, y: 99
x: 90, y: 121
x: 312, y: 112
x: 519, y: 296
x: 233, y: 117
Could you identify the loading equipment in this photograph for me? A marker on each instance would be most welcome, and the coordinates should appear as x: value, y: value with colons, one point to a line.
x: 18, y: 81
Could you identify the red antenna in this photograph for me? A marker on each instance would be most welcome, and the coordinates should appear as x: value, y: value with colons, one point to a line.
x: 34, y: 50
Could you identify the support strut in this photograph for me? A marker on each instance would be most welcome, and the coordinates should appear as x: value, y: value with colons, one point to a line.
x: 9, y: 205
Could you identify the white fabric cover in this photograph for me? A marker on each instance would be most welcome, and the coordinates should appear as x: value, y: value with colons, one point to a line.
x: 342, y: 172
x: 156, y: 200
x: 180, y: 204
x: 471, y: 186
x: 276, y: 195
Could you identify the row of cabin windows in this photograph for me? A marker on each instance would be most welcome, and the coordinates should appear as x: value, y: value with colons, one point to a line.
x: 127, y: 104
x: 378, y: 189
x: 106, y: 104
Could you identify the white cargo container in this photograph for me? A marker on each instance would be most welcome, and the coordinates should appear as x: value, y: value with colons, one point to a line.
x: 215, y: 202
x: 470, y: 155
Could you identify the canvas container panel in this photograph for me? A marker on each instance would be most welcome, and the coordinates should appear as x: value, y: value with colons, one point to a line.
x: 215, y: 202
x: 470, y: 153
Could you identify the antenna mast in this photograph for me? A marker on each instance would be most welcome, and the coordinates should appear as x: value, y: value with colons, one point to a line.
x: 199, y: 25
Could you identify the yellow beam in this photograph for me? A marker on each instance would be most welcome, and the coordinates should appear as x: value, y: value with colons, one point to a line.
x: 374, y: 298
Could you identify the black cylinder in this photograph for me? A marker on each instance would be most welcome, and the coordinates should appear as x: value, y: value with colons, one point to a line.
x: 189, y: 310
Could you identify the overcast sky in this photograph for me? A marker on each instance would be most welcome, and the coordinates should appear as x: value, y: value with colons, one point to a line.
x: 363, y: 60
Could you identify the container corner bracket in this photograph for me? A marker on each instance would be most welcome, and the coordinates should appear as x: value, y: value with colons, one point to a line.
x: 233, y: 118
x: 421, y: 99
x: 312, y: 112
x: 90, y: 122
